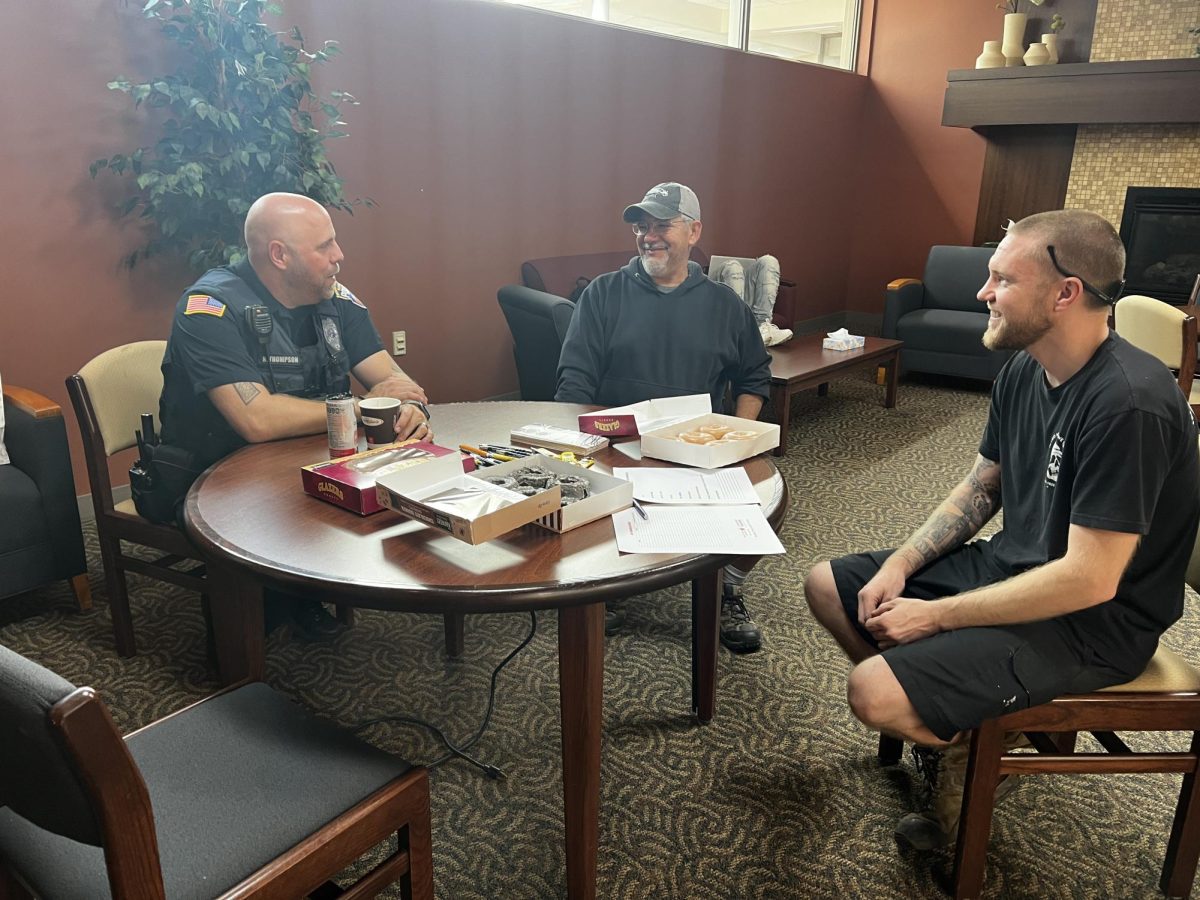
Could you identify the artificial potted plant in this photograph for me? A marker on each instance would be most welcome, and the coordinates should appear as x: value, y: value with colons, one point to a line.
x: 241, y: 120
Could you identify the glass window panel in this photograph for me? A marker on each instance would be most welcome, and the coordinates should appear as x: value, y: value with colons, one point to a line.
x: 816, y: 31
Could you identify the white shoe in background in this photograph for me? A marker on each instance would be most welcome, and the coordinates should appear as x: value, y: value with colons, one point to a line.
x: 773, y: 334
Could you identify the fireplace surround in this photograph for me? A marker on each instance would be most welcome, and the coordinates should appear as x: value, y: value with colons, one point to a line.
x: 1160, y: 229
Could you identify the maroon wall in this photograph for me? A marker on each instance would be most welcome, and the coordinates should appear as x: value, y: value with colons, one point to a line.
x: 491, y: 134
x: 918, y: 183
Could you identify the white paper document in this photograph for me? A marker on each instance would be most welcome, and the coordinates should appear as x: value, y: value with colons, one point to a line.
x: 696, y: 529
x: 690, y: 486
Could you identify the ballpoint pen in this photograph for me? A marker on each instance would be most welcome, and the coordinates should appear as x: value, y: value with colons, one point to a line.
x: 640, y: 510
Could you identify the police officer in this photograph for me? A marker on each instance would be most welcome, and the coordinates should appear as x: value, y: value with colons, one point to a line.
x: 257, y: 346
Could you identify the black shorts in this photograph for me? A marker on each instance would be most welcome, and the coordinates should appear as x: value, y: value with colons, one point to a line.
x: 957, y: 679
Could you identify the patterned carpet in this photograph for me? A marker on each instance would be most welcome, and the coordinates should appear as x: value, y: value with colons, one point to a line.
x: 779, y: 797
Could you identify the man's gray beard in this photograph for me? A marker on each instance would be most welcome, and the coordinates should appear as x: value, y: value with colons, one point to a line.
x: 654, y: 267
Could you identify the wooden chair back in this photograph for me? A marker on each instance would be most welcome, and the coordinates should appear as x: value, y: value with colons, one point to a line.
x: 109, y: 395
x: 1162, y: 330
x: 69, y: 771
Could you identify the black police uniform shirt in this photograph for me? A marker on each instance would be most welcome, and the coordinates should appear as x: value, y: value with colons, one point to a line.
x: 210, y: 347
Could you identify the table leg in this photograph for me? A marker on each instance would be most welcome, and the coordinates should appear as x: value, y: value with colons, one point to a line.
x: 236, y: 605
x: 823, y: 389
x: 455, y: 636
x: 893, y: 379
x: 581, y: 698
x: 706, y: 621
x: 781, y: 400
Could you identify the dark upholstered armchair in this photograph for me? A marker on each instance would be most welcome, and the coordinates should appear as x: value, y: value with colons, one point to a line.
x: 939, y: 318
x: 538, y: 322
x: 40, y: 536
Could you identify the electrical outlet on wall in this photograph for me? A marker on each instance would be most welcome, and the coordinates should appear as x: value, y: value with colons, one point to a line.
x: 399, y: 343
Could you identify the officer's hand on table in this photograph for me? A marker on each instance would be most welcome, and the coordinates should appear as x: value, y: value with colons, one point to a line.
x: 411, y: 423
x: 400, y: 387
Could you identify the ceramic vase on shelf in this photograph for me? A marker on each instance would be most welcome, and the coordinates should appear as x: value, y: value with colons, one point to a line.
x: 991, y: 57
x: 1014, y: 38
x: 1051, y: 42
x: 1037, y: 55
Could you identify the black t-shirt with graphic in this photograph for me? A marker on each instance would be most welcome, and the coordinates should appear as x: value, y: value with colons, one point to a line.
x: 1112, y: 448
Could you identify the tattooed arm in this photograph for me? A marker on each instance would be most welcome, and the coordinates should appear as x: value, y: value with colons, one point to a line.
x: 956, y: 520
x: 1087, y: 575
x: 258, y: 415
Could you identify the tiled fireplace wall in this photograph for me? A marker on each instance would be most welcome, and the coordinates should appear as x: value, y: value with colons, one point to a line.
x: 1110, y: 158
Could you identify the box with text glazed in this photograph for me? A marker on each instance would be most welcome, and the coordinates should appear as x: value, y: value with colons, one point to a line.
x: 349, y: 481
x: 469, y: 507
x: 639, y: 418
x: 711, y: 441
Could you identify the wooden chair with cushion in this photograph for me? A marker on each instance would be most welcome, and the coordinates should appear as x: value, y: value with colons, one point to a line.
x: 109, y: 395
x: 1165, y: 331
x: 1164, y: 698
x: 243, y: 794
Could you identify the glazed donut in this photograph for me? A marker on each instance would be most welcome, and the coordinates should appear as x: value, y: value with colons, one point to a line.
x: 740, y: 435
x: 696, y: 437
x: 717, y: 430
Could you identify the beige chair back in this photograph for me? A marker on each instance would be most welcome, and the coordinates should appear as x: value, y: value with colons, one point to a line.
x: 1153, y: 326
x: 123, y: 383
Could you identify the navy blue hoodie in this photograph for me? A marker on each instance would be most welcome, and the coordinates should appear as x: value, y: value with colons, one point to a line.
x: 629, y: 342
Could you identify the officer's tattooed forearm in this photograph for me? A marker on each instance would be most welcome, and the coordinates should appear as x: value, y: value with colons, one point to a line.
x: 967, y: 510
x: 247, y: 390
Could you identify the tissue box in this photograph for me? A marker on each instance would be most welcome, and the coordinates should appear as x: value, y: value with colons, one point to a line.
x: 664, y: 443
x: 843, y: 342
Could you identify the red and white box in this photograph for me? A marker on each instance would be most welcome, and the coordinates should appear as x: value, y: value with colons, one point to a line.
x: 349, y: 481
x: 639, y: 418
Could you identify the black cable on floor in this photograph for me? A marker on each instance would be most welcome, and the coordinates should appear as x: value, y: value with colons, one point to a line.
x: 460, y: 750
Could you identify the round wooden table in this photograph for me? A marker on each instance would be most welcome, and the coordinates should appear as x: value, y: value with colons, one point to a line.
x: 254, y: 525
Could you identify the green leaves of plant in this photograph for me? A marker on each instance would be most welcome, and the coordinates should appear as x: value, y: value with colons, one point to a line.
x: 240, y: 124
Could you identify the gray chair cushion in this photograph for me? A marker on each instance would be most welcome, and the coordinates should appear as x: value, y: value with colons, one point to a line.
x: 945, y: 330
x: 234, y: 783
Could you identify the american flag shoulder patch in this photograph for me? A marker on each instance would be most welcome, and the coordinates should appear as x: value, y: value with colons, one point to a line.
x: 340, y: 290
x: 203, y: 303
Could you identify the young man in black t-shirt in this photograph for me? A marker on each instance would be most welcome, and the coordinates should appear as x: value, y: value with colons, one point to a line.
x: 1091, y: 450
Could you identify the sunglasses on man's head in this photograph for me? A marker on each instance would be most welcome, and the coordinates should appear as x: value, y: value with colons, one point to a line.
x: 1087, y: 287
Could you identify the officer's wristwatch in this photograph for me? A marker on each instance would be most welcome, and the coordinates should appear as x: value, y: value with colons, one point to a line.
x: 419, y: 405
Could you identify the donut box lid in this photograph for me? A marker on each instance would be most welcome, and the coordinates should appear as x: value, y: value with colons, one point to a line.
x: 639, y: 418
x: 664, y: 443
x: 414, y: 493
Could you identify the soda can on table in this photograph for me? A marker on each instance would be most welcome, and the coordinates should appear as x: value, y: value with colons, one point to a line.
x: 342, y: 425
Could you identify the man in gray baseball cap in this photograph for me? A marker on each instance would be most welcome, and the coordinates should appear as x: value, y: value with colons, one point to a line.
x: 660, y: 328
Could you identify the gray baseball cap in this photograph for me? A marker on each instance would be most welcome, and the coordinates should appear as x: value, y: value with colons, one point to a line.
x: 666, y: 201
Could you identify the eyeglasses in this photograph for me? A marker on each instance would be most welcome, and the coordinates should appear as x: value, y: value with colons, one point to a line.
x: 658, y: 226
x: 1087, y: 287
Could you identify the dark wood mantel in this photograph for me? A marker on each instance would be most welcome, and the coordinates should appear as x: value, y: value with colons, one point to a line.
x: 1029, y: 117
x: 1160, y: 90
